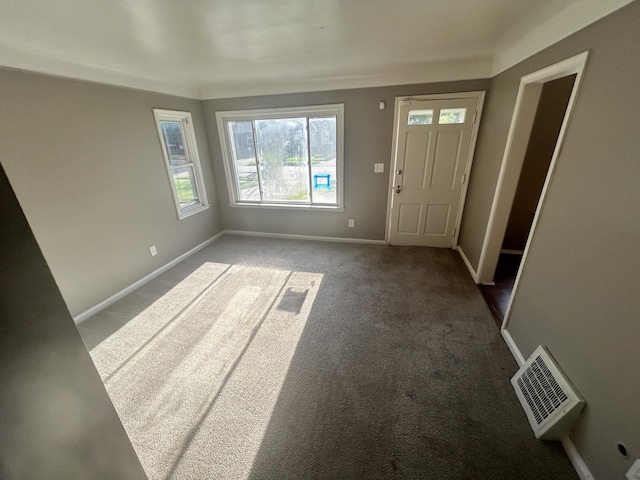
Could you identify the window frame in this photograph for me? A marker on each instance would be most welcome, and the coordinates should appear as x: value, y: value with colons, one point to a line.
x: 231, y: 175
x: 191, y: 148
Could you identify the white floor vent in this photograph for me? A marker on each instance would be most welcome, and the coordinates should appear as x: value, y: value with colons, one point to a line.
x: 551, y: 403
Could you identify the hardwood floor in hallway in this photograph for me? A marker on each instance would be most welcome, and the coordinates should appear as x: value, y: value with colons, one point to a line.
x: 497, y: 296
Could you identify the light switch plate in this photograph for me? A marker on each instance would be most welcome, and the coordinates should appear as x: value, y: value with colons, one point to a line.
x: 378, y: 168
x: 634, y: 471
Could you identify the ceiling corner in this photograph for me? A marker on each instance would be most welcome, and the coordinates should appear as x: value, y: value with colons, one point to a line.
x: 573, y: 18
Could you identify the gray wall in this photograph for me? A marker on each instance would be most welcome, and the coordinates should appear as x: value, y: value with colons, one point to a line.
x: 544, y: 135
x: 57, y: 420
x: 579, y: 288
x: 85, y: 162
x: 368, y: 134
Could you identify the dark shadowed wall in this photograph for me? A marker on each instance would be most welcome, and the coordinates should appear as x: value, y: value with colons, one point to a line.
x: 56, y: 418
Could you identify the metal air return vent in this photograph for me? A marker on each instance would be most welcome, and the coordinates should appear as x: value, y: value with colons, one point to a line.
x: 549, y: 399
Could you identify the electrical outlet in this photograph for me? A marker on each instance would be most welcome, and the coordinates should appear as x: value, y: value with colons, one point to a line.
x: 378, y: 168
x: 634, y: 471
x: 153, y: 250
x: 352, y: 223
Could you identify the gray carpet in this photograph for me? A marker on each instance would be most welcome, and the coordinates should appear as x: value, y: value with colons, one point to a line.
x: 275, y: 359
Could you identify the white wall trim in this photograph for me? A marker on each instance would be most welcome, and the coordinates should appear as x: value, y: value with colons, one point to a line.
x: 574, y: 65
x: 576, y: 459
x: 520, y: 45
x: 515, y: 351
x: 22, y: 57
x: 126, y: 291
x: 292, y: 236
x: 466, y: 261
x: 513, y: 157
x: 429, y: 72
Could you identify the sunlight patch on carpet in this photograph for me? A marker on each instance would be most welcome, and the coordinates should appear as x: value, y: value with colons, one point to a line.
x: 195, y: 377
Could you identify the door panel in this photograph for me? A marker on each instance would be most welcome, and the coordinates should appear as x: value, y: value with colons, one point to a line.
x: 433, y: 144
x: 409, y: 221
x: 443, y: 173
x: 437, y: 219
x: 415, y: 167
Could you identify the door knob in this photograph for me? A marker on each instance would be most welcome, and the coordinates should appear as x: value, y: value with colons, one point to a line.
x: 399, y: 172
x: 398, y: 189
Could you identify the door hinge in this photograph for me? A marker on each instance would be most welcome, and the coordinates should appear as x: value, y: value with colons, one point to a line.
x: 454, y: 231
x: 464, y: 178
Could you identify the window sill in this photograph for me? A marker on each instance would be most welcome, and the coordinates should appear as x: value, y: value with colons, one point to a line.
x: 278, y: 206
x: 191, y: 211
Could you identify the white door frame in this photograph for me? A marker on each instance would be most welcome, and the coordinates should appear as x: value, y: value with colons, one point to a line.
x: 479, y: 95
x: 515, y: 150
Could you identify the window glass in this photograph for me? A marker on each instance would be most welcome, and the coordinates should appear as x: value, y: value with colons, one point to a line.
x: 185, y: 183
x: 174, y: 143
x: 283, y: 157
x: 420, y: 117
x: 322, y: 145
x: 244, y: 156
x: 452, y: 115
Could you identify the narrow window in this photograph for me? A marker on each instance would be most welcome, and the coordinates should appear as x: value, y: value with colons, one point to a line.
x: 288, y: 157
x: 180, y: 153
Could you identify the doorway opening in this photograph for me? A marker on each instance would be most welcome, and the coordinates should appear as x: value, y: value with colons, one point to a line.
x: 550, y: 112
x: 543, y: 107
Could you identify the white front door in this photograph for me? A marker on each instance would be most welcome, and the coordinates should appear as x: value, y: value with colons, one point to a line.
x: 433, y: 141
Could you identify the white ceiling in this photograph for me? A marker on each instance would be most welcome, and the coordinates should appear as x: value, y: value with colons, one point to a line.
x: 224, y: 48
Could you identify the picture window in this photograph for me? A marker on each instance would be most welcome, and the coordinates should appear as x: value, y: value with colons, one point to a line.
x: 286, y: 157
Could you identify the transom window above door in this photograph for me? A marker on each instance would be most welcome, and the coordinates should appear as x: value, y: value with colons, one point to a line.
x: 284, y: 157
x: 446, y: 116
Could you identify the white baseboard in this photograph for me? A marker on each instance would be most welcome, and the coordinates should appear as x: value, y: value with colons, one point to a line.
x: 576, y: 459
x: 292, y: 236
x: 515, y: 351
x: 126, y: 291
x: 466, y: 261
x: 508, y: 251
